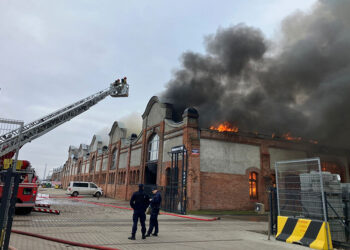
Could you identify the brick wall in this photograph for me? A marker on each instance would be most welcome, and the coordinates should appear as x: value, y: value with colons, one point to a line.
x: 225, y: 192
x: 121, y: 192
x: 110, y: 190
x: 131, y: 190
x: 205, y: 190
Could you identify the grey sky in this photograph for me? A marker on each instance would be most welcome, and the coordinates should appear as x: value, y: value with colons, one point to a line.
x: 53, y: 53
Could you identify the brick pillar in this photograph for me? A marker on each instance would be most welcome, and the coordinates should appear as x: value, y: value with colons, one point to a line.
x: 143, y: 156
x: 116, y: 177
x: 160, y: 153
x: 191, y: 140
x: 127, y: 172
x: 100, y: 170
x: 108, y: 167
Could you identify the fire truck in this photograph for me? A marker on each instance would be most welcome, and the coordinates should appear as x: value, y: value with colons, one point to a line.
x: 9, y: 142
x: 28, y: 188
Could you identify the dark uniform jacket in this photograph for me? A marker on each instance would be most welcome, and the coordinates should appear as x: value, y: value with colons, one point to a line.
x: 156, y: 201
x: 139, y: 201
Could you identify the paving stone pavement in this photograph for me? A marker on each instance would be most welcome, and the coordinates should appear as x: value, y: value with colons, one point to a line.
x: 110, y: 227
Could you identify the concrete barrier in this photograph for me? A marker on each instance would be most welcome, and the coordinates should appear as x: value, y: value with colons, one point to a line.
x: 311, y: 233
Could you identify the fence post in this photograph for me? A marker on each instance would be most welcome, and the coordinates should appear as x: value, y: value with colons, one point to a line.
x: 346, y: 219
x: 17, y: 180
x: 269, y: 227
x: 11, y: 181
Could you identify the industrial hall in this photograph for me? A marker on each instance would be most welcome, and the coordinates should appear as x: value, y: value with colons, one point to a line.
x: 195, y: 168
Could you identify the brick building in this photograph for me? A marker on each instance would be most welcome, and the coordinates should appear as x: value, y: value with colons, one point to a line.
x: 226, y: 170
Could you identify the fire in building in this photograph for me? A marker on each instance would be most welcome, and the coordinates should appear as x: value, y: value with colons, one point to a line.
x: 272, y: 95
x: 220, y: 167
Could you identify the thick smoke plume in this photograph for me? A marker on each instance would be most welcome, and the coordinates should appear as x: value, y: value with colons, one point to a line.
x: 300, y: 84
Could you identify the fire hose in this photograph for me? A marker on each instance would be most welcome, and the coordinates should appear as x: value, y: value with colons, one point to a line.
x: 73, y: 243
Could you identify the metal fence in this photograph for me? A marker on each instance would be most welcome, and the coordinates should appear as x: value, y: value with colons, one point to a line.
x: 304, y: 191
x: 172, y: 201
x: 300, y: 190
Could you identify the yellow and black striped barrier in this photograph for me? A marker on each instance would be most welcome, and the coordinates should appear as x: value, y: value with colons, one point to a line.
x: 311, y: 233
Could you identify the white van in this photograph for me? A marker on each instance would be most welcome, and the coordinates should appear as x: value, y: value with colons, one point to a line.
x: 76, y: 188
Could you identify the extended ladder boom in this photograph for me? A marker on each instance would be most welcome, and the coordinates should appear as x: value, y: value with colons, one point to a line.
x: 43, y: 125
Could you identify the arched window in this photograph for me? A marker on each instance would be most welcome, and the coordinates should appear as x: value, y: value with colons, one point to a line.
x: 114, y: 158
x: 253, y: 185
x: 153, y: 148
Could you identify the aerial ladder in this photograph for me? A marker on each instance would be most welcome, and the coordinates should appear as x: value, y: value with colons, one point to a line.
x: 10, y: 141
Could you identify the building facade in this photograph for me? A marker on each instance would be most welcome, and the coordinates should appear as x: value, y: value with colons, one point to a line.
x: 225, y: 170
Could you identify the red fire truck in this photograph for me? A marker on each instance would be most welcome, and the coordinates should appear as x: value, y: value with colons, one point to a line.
x: 11, y: 141
x: 27, y: 189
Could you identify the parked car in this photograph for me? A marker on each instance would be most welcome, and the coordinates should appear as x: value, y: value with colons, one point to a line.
x: 46, y: 184
x: 76, y: 188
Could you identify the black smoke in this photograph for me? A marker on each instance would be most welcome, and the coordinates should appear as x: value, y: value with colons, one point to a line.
x: 298, y: 84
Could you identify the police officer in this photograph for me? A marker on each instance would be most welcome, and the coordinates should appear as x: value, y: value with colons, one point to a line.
x: 139, y: 202
x: 155, y: 205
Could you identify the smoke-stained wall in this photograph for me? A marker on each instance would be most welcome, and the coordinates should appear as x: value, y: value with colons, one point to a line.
x: 227, y: 157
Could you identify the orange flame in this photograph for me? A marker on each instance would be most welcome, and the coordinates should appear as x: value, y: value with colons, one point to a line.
x: 289, y: 137
x: 228, y: 127
x: 225, y: 126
